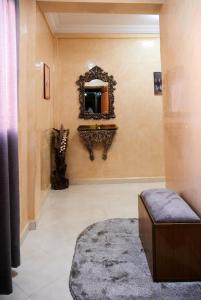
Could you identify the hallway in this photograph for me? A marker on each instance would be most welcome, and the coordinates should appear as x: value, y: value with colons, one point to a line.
x: 145, y: 55
x: 47, y: 252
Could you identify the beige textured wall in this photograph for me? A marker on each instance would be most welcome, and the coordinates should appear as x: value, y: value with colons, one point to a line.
x: 181, y: 63
x: 137, y: 150
x: 35, y: 113
x: 44, y: 110
x: 26, y: 100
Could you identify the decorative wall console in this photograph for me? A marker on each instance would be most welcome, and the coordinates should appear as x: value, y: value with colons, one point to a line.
x: 91, y: 134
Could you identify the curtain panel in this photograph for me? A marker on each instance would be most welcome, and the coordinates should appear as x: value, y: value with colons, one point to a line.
x: 9, y: 182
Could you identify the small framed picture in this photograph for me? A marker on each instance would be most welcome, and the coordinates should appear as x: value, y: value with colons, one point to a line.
x: 46, y: 82
x: 157, y: 83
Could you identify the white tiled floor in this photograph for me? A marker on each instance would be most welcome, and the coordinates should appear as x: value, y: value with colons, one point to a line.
x: 47, y: 252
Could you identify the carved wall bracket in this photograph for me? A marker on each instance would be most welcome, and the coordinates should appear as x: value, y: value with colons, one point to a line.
x: 92, y: 136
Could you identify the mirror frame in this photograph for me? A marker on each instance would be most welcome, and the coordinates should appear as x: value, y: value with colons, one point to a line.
x: 96, y: 73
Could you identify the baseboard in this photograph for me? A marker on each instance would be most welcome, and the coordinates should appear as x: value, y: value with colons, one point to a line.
x: 117, y: 180
x: 24, y: 233
x: 32, y: 224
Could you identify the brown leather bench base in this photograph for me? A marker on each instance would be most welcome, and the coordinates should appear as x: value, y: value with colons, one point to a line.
x: 173, y: 250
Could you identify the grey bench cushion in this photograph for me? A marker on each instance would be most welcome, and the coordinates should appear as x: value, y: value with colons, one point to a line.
x: 167, y: 206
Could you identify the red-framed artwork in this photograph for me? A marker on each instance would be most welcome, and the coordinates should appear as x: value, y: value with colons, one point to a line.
x: 46, y: 82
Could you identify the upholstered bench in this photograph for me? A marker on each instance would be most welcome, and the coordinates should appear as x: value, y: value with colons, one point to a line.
x: 170, y: 232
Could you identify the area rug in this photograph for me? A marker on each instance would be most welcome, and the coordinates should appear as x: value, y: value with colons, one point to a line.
x: 109, y: 264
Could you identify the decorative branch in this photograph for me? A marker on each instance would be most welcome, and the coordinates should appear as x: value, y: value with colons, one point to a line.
x: 59, y: 146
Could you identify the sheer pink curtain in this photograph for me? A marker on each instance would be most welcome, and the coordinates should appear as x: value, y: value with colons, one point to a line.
x: 8, y: 65
x: 9, y: 186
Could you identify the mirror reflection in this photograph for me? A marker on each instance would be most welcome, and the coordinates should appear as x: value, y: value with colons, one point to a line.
x: 96, y: 96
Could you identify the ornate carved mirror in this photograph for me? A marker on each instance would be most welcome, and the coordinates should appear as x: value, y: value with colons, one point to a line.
x: 96, y: 96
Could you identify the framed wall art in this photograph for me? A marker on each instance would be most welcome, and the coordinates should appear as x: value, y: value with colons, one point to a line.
x: 46, y: 82
x: 157, y: 83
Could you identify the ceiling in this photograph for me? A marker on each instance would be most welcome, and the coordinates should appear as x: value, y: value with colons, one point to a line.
x: 102, y: 23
